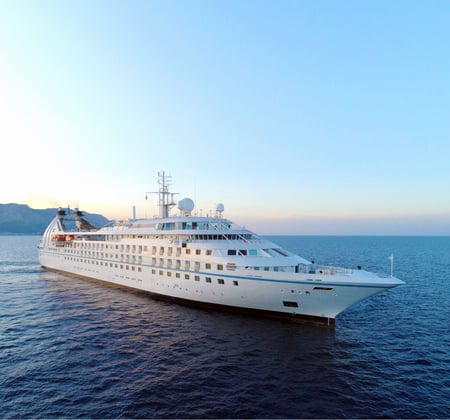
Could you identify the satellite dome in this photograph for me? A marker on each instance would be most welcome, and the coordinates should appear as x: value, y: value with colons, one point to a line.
x: 186, y: 205
x: 220, y: 208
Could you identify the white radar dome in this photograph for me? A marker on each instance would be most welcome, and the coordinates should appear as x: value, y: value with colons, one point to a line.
x: 220, y: 208
x: 186, y: 205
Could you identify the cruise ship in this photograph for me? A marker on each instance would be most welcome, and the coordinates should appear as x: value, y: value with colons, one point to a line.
x: 204, y: 261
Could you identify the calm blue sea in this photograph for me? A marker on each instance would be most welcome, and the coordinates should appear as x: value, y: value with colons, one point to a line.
x: 70, y: 348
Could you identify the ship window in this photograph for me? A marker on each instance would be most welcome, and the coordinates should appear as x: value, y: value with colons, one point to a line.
x: 290, y: 304
x: 161, y: 272
x: 161, y: 250
x: 186, y: 276
x: 252, y: 252
x: 169, y: 251
x: 208, y: 252
x: 221, y: 281
x: 208, y: 266
x: 219, y: 266
x: 322, y: 288
x: 153, y: 250
x: 281, y: 252
x: 208, y: 279
x: 139, y: 269
x: 242, y: 252
x: 169, y: 274
x: 177, y: 275
x: 198, y: 251
x: 127, y: 267
x: 188, y: 251
x: 153, y: 271
x: 197, y: 278
x: 231, y: 252
x: 235, y: 283
x: 121, y: 266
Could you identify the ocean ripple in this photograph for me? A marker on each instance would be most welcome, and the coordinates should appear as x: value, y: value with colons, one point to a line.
x: 74, y: 349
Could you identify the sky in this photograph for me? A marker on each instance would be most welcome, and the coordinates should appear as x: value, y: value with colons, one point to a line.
x: 301, y: 117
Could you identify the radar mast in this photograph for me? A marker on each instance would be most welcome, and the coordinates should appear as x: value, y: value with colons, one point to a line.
x: 165, y: 197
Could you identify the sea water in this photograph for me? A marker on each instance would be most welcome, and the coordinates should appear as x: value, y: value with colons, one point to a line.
x: 75, y: 349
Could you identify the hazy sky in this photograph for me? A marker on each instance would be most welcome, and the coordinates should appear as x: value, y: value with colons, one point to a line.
x: 302, y: 117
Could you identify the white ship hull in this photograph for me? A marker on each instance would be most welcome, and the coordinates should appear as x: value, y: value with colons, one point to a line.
x: 205, y: 261
x: 314, y: 296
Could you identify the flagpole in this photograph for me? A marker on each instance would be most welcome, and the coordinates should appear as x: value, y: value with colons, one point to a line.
x: 392, y: 264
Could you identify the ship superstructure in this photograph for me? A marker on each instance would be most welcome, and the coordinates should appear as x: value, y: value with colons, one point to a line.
x: 207, y: 261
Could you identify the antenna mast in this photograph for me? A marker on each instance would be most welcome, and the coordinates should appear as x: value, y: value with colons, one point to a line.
x: 165, y: 197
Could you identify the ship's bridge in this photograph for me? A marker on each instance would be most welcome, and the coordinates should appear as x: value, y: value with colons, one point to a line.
x: 186, y: 223
x: 195, y: 224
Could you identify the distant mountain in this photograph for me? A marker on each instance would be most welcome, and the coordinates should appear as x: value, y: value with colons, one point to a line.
x: 22, y: 219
